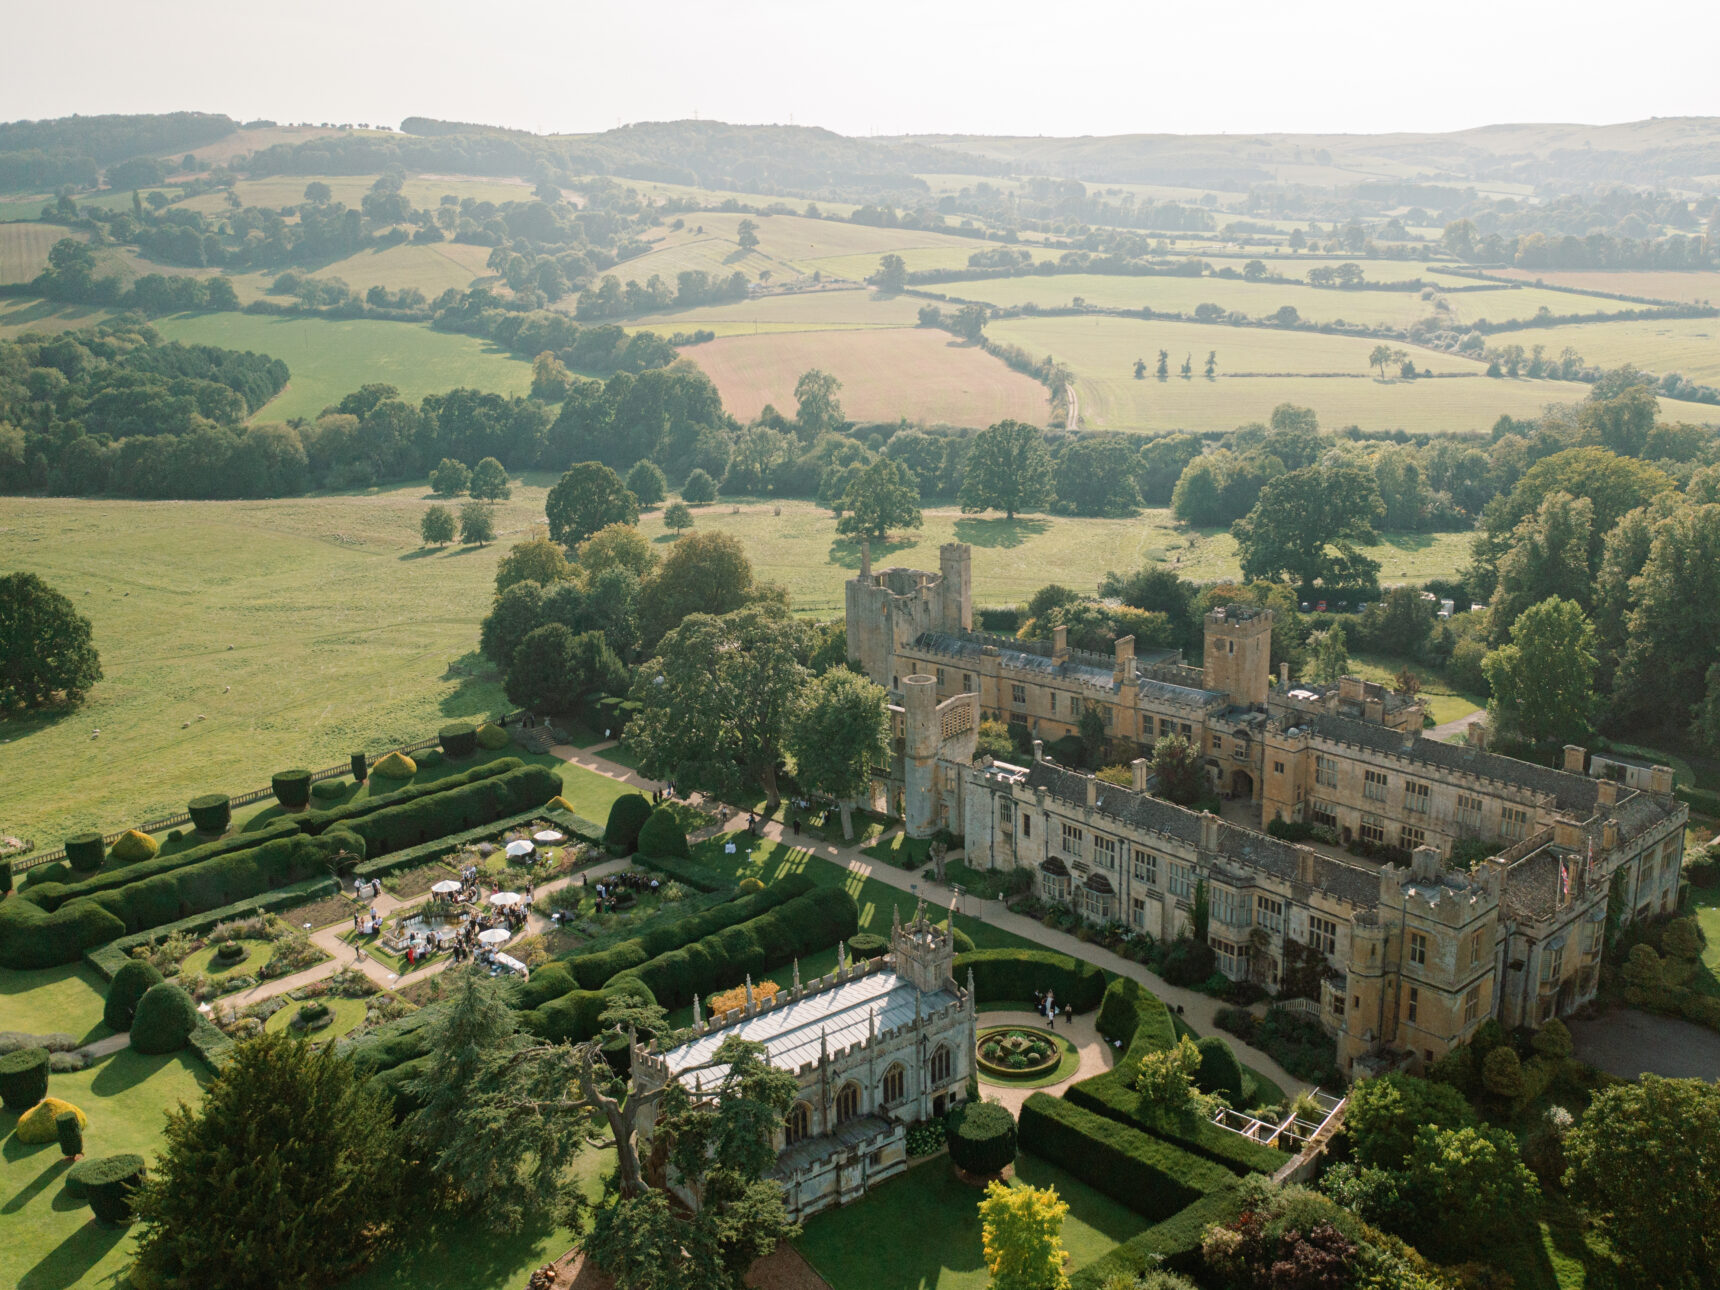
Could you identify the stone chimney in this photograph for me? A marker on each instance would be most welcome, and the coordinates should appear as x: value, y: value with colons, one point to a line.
x: 1607, y: 792
x: 1283, y: 676
x: 1660, y: 780
x: 1609, y: 835
x: 1125, y: 665
x: 1575, y: 758
x: 1038, y: 750
x: 1568, y: 834
x: 1351, y: 688
x: 1140, y: 769
x: 1059, y: 644
x: 1305, y: 861
x: 1424, y: 864
x: 1092, y: 790
x: 865, y: 557
x: 1209, y: 826
x: 1478, y: 734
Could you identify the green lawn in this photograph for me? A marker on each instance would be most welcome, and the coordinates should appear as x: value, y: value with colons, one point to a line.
x: 57, y: 1000
x: 591, y: 794
x: 921, y: 1231
x: 1445, y: 702
x: 203, y: 961
x: 347, y: 1014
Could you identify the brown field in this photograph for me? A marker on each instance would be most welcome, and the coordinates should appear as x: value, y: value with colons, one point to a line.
x: 241, y: 142
x: 1684, y: 288
x: 885, y: 374
x: 24, y: 249
x: 20, y: 317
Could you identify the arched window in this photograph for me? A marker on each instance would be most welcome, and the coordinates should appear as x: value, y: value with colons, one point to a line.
x: 847, y: 1103
x: 895, y: 1081
x: 941, y: 1066
x: 799, y: 1123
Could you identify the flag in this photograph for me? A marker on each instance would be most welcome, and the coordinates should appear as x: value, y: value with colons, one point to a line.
x: 1564, y: 881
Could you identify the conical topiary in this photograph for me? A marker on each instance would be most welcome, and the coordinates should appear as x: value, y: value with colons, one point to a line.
x: 397, y: 765
x: 134, y: 845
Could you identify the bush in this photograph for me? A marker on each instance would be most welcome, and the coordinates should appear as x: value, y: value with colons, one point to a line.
x: 5, y: 876
x: 37, y: 1125
x: 627, y: 815
x: 86, y: 852
x: 1188, y: 963
x: 430, y: 757
x: 397, y: 765
x: 981, y: 1137
x: 23, y: 1078
x: 51, y: 895
x: 1219, y: 1071
x: 292, y: 788
x: 133, y: 980
x: 133, y: 846
x: 491, y: 736
x: 459, y: 738
x: 315, y: 822
x: 107, y: 1183
x: 328, y: 790
x: 867, y: 945
x: 165, y: 1018
x: 211, y: 813
x: 69, y: 1130
x: 1001, y: 976
x: 470, y: 803
x: 1297, y: 1043
x: 31, y: 939
x: 360, y: 767
x: 661, y: 836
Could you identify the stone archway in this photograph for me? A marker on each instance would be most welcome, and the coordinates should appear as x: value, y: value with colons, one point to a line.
x: 1242, y: 785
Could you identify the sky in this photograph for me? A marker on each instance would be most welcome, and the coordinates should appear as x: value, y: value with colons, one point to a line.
x: 890, y: 67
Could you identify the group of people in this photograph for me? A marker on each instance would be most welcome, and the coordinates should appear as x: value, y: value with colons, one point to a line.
x: 1045, y: 1004
x: 609, y: 888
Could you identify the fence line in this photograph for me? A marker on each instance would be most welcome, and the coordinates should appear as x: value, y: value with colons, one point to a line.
x: 30, y: 861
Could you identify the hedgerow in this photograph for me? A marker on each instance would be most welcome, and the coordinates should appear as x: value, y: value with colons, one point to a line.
x: 1014, y: 975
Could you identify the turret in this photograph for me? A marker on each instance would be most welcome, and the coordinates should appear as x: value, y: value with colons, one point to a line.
x: 920, y: 753
x: 1238, y: 659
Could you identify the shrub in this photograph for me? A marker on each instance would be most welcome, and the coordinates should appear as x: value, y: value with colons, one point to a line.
x: 491, y: 736
x: 31, y: 939
x: 1013, y: 975
x: 360, y: 767
x: 86, y: 852
x: 748, y: 885
x: 627, y: 815
x: 397, y: 765
x: 165, y: 1018
x: 133, y: 846
x: 430, y: 757
x: 5, y: 876
x: 69, y: 1130
x: 314, y: 822
x: 37, y: 1125
x: 661, y: 836
x: 328, y: 790
x: 133, y: 980
x: 428, y: 815
x: 459, y: 738
x: 1188, y: 963
x: 23, y: 1078
x: 107, y: 1183
x: 1219, y: 1071
x: 292, y: 788
x: 981, y: 1137
x: 867, y: 945
x: 211, y: 813
x: 51, y: 895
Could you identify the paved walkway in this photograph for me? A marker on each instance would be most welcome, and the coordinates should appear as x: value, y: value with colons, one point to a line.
x: 1096, y: 1055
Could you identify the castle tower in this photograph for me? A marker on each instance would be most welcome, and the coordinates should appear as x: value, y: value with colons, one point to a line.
x: 925, y: 953
x: 1238, y: 659
x: 920, y: 754
x: 955, y: 593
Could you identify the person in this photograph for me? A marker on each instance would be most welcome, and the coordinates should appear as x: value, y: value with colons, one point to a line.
x: 797, y: 826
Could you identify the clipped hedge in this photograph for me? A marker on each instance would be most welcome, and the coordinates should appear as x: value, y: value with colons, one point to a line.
x: 868, y: 945
x: 689, y: 873
x: 573, y: 1018
x: 1137, y: 1018
x: 30, y: 938
x: 1151, y: 1177
x: 981, y: 1137
x: 23, y: 1078
x: 458, y: 738
x: 292, y: 788
x: 360, y: 767
x: 627, y: 815
x: 86, y: 852
x: 108, y: 959
x: 1172, y: 1245
x: 133, y: 980
x: 211, y: 813
x: 134, y: 845
x: 316, y: 821
x: 1219, y: 1071
x: 662, y: 836
x: 439, y: 814
x: 165, y: 1018
x: 328, y: 790
x: 491, y: 736
x: 107, y: 1183
x: 5, y: 876
x: 39, y: 1124
x: 51, y: 895
x: 1013, y: 975
x: 396, y: 765
x: 69, y: 1131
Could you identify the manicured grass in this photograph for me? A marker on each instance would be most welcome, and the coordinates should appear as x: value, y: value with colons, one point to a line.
x: 591, y: 794
x: 921, y: 1231
x: 58, y: 1000
x: 347, y: 1014
x: 203, y: 961
x: 901, y: 851
x: 51, y: 1241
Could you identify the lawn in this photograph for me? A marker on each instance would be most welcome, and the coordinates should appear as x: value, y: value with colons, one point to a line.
x: 329, y: 359
x: 1444, y: 701
x: 57, y: 1000
x: 921, y: 1231
x: 24, y: 249
x: 348, y: 1013
x: 202, y: 962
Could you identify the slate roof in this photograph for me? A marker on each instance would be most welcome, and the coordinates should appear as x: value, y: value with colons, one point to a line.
x: 1035, y: 656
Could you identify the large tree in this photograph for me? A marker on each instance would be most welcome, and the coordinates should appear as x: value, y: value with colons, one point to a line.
x: 715, y: 702
x: 617, y: 546
x: 436, y: 526
x: 1673, y: 632
x: 880, y: 498
x: 1022, y: 1236
x: 704, y: 573
x: 287, y: 1173
x: 1305, y: 514
x: 818, y: 409
x: 46, y: 646
x: 552, y: 667
x: 477, y: 524
x: 1008, y: 470
x: 490, y: 481
x: 1543, y: 682
x: 1177, y: 765
x: 586, y: 498
x: 1548, y: 556
x: 839, y: 734
x: 535, y: 560
x: 1097, y: 477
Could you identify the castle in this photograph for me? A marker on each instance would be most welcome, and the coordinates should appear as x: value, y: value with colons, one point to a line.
x: 1400, y: 961
x: 875, y: 1046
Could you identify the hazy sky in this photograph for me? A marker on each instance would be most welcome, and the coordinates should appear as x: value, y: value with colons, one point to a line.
x: 893, y: 67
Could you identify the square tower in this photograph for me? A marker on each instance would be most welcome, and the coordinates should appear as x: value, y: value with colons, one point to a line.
x: 955, y: 588
x: 925, y: 953
x: 1238, y: 658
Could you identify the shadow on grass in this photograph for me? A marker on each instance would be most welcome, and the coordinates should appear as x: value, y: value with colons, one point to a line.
x: 999, y: 533
x: 845, y: 552
x: 126, y: 1069
x: 16, y: 1150
x: 421, y: 553
x: 71, y: 1260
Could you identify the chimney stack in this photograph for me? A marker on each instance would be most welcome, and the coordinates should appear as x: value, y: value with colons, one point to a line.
x: 1478, y: 735
x: 1660, y: 780
x: 1140, y: 768
x: 1059, y: 644
x: 1038, y: 750
x: 1607, y: 791
x: 1092, y: 790
x: 1305, y: 860
x: 1209, y: 824
x: 1575, y: 757
x: 866, y: 557
x: 1283, y: 676
x: 1125, y: 666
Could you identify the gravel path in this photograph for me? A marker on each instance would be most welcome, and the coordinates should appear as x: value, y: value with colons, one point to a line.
x: 1096, y: 1055
x: 1628, y: 1043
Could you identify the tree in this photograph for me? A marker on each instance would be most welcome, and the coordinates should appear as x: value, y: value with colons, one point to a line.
x: 46, y: 646
x: 645, y: 481
x: 617, y: 546
x: 839, y: 735
x: 551, y: 380
x: 1385, y: 1114
x: 436, y: 528
x: 746, y: 235
x: 1548, y: 556
x: 552, y: 668
x: 1022, y: 1233
x: 1097, y: 477
x: 704, y: 573
x: 490, y: 481
x: 699, y: 489
x: 1543, y: 682
x: 451, y: 478
x: 535, y: 560
x: 1328, y: 654
x: 1467, y: 1182
x: 678, y: 517
x: 1645, y: 1161
x: 716, y: 700
x: 1402, y: 622
x: 968, y: 322
x: 1211, y: 363
x: 1176, y: 763
x: 288, y: 1172
x: 882, y: 497
x: 1163, y: 370
x: 1301, y: 514
x: 1381, y: 357
x: 818, y: 410
x: 477, y: 524
x: 1008, y: 470
x: 1673, y: 631
x: 586, y: 498
x: 892, y: 273
x: 517, y: 609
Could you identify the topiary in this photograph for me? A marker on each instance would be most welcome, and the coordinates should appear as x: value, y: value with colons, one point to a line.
x: 5, y: 876
x: 86, y: 852
x: 662, y: 836
x: 459, y: 738
x: 627, y: 815
x: 560, y: 803
x: 867, y: 945
x: 430, y: 757
x: 491, y: 736
x: 328, y: 790
x: 134, y: 845
x: 130, y: 983
x: 165, y: 1018
x: 230, y: 952
x: 69, y: 1129
x: 397, y: 765
x: 1219, y: 1071
x: 963, y: 942
x: 107, y: 1183
x: 747, y: 886
x: 292, y: 788
x: 360, y: 767
x: 23, y: 1078
x: 36, y: 1125
x: 1188, y: 962
x: 211, y: 813
x: 981, y: 1137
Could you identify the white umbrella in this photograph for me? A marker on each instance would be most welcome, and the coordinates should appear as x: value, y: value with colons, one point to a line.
x: 520, y: 848
x: 446, y: 887
x: 495, y: 936
x: 548, y: 835
x: 506, y: 898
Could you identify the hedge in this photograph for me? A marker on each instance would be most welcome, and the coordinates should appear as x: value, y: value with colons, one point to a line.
x: 69, y: 1130
x: 129, y: 984
x: 573, y: 1018
x: 396, y: 765
x: 23, y: 1078
x: 458, y: 738
x: 292, y: 788
x: 109, y: 958
x: 1134, y: 1016
x: 1219, y: 1072
x: 1013, y: 976
x: 316, y: 821
x: 689, y: 873
x: 627, y: 815
x: 360, y: 767
x: 662, y: 836
x: 209, y: 1042
x: 165, y: 1018
x: 1704, y: 800
x: 981, y: 1137
x: 30, y: 938
x: 211, y: 813
x: 482, y: 802
x: 1151, y: 1177
x: 134, y: 845
x: 86, y: 852
x: 1172, y: 1245
x: 806, y: 924
x: 491, y: 736
x: 867, y: 945
x: 51, y: 895
x: 107, y: 1183
x: 328, y: 790
x: 5, y: 876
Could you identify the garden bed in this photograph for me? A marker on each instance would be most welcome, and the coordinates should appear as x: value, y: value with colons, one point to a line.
x: 1057, y: 1058
x: 319, y: 913
x: 407, y: 883
x: 343, y: 1015
x: 210, y: 962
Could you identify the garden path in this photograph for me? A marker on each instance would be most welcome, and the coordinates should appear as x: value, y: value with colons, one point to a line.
x: 1096, y: 1055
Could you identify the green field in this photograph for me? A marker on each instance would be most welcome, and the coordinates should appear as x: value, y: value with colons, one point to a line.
x: 1687, y: 345
x: 833, y: 310
x: 329, y: 359
x: 24, y: 249
x: 276, y: 191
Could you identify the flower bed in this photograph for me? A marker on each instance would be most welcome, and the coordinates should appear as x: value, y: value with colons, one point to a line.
x: 1018, y: 1052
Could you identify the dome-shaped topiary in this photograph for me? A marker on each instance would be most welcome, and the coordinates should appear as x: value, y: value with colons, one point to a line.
x: 1219, y: 1071
x: 211, y: 813
x: 459, y: 738
x: 430, y: 757
x: 661, y: 835
x: 328, y: 790
x: 627, y: 815
x: 746, y: 886
x: 491, y: 736
x: 86, y: 852
x: 292, y: 788
x: 134, y: 845
x: 397, y: 765
x: 867, y: 945
x: 981, y: 1137
x: 165, y: 1018
x: 23, y: 1078
x: 107, y: 1183
x: 130, y: 983
x: 37, y: 1124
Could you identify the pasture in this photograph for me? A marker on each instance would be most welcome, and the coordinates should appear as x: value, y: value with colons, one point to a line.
x: 21, y: 317
x: 1687, y: 345
x: 275, y: 191
x: 833, y: 309
x: 329, y: 358
x: 24, y: 249
x: 1693, y: 287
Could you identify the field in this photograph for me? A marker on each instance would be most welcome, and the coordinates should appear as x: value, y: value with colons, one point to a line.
x: 24, y: 249
x: 329, y: 359
x: 1652, y: 284
x: 837, y: 309
x: 19, y: 317
x: 276, y: 191
x: 921, y: 374
x: 1687, y: 345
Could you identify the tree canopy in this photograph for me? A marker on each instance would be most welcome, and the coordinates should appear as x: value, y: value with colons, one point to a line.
x: 47, y: 648
x: 586, y: 498
x: 839, y: 734
x: 1544, y: 681
x: 880, y: 498
x: 1008, y: 470
x: 1301, y: 516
